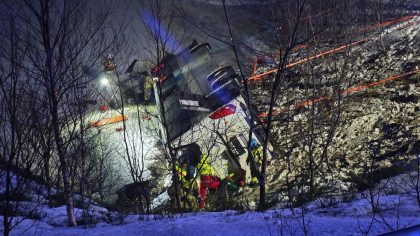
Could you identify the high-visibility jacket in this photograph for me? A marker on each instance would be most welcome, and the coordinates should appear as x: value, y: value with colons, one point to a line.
x: 258, y: 155
x: 204, y: 166
x: 181, y: 176
x: 181, y: 172
x: 148, y: 82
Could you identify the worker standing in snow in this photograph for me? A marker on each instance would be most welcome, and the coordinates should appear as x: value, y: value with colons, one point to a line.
x: 256, y: 153
x: 208, y: 179
x: 187, y: 187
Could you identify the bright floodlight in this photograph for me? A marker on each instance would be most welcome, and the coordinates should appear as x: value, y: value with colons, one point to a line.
x: 104, y: 81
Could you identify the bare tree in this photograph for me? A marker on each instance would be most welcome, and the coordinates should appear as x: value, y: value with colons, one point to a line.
x: 413, y: 182
x: 285, y: 48
x: 63, y: 40
x: 137, y: 139
x: 294, y: 25
x: 17, y: 162
x: 162, y: 37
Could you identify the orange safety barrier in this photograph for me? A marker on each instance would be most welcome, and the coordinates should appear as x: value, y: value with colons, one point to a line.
x: 257, y: 77
x: 108, y: 121
x: 347, y: 91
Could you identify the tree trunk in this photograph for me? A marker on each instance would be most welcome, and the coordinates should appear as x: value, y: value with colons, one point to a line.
x: 175, y: 180
x: 63, y: 162
x: 262, y: 190
x: 6, y: 222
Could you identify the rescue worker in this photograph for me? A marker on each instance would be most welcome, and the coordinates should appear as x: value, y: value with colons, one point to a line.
x: 108, y: 63
x: 208, y: 179
x: 235, y: 179
x: 226, y: 193
x: 148, y: 85
x: 256, y: 153
x: 181, y: 175
x: 187, y: 186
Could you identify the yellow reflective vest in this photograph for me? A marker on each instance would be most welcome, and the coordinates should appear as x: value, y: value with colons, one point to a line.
x: 181, y: 172
x: 204, y: 166
x: 258, y: 155
x: 181, y: 176
x: 148, y: 84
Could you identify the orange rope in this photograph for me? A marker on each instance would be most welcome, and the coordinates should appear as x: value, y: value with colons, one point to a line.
x: 406, y: 25
x: 326, y: 53
x: 347, y: 91
x: 358, y: 88
x: 369, y: 28
x: 257, y: 77
x: 255, y: 67
x: 383, y: 24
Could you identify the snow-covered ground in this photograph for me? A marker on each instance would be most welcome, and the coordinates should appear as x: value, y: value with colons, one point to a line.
x: 141, y: 137
x: 340, y: 218
x: 351, y: 215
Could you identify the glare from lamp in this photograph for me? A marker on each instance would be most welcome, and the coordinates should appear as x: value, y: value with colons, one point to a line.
x: 104, y: 81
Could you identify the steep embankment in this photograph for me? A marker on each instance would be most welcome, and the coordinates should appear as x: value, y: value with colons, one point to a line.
x: 350, y: 117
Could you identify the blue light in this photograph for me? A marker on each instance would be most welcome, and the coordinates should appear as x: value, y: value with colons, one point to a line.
x: 159, y: 30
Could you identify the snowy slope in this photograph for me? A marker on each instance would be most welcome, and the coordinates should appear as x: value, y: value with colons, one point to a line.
x: 352, y: 218
x: 398, y: 208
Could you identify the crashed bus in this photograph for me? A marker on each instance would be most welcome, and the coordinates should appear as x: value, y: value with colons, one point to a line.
x: 203, y: 105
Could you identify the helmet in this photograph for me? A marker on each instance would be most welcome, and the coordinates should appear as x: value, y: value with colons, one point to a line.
x: 254, y: 144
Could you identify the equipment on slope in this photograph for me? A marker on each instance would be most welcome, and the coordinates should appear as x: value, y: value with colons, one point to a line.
x: 107, y: 121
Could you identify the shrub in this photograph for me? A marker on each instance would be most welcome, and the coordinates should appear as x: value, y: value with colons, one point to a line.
x: 14, y: 196
x: 57, y: 199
